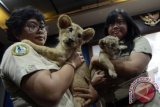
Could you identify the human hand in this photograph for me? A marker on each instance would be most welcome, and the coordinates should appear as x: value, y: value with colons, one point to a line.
x: 94, y: 59
x: 94, y: 63
x: 76, y: 59
x: 89, y: 94
x: 98, y: 77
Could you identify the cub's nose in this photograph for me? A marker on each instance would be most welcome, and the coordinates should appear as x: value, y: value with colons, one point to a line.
x: 113, y: 45
x: 69, y: 42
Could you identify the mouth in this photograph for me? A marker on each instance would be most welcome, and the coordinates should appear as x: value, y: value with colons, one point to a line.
x: 69, y: 44
x: 40, y: 38
x: 115, y: 32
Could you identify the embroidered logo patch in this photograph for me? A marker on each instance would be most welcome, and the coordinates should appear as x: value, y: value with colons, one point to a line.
x: 20, y: 50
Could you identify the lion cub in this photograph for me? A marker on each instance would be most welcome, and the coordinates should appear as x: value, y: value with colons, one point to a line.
x: 110, y: 46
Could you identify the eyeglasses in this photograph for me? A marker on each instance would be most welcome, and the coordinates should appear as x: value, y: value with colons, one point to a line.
x: 33, y: 27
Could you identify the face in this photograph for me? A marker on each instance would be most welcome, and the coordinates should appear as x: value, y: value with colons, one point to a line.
x: 72, y: 36
x: 34, y: 31
x: 119, y: 28
x: 109, y: 44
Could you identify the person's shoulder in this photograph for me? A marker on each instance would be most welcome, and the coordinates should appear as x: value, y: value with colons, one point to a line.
x: 142, y: 45
x: 140, y: 39
x: 18, y: 48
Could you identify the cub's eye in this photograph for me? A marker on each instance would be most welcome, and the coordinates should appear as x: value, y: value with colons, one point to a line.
x: 79, y: 35
x: 104, y: 45
x: 70, y: 29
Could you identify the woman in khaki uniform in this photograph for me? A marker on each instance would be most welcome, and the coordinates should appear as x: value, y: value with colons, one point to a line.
x: 31, y: 79
x: 131, y: 63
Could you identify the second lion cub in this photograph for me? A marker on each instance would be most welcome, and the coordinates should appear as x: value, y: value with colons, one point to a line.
x: 110, y: 46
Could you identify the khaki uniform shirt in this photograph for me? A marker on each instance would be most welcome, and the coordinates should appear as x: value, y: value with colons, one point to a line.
x: 141, y: 46
x: 19, y: 60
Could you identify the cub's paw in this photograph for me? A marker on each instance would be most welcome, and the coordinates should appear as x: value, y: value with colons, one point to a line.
x: 112, y: 73
x: 27, y: 41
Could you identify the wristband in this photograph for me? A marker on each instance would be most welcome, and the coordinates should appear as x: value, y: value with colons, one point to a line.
x: 71, y: 65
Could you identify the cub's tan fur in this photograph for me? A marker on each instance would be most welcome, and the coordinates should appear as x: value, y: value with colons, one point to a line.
x: 109, y: 48
x: 71, y: 37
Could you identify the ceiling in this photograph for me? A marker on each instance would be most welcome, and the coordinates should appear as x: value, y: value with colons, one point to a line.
x: 83, y: 12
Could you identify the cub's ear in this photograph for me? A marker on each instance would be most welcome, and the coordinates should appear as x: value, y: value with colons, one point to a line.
x: 101, y: 43
x: 64, y: 21
x: 88, y: 34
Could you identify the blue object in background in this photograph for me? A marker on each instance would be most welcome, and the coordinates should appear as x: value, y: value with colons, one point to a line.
x: 7, y: 101
x: 85, y: 53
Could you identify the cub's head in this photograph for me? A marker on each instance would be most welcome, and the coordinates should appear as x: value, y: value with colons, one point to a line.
x: 71, y: 35
x: 109, y: 44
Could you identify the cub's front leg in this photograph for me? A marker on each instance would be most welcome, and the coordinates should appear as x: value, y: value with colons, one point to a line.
x: 51, y: 53
x: 105, y: 61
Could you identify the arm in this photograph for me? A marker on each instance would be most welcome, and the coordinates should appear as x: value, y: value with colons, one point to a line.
x: 135, y: 64
x: 46, y: 88
x: 51, y: 53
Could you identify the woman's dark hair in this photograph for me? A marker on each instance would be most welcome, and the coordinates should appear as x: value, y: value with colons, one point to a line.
x: 133, y: 30
x: 18, y: 19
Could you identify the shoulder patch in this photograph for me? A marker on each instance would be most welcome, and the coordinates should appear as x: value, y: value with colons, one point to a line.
x: 20, y: 50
